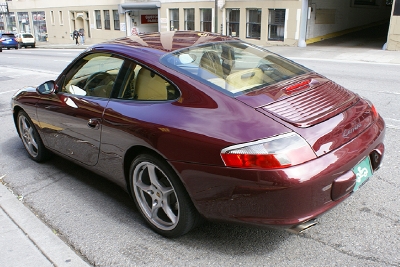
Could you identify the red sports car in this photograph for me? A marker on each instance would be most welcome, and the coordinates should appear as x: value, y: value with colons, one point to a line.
x: 199, y: 125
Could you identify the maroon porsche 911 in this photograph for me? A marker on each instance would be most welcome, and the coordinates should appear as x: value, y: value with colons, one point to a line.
x: 198, y: 125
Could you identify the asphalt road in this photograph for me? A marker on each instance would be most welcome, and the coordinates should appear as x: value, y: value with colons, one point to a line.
x: 100, y: 222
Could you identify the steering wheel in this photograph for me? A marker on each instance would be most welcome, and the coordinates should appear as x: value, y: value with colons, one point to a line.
x: 96, y: 79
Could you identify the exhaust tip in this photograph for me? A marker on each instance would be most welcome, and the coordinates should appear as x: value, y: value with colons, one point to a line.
x: 297, y: 229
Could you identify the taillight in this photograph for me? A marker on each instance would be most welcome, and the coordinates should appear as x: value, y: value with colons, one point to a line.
x: 280, y: 151
x: 375, y: 113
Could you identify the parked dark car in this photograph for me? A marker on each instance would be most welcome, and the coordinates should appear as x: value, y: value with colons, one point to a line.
x: 8, y: 40
x: 198, y: 125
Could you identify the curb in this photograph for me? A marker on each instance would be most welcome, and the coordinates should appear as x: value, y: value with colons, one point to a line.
x: 50, y: 245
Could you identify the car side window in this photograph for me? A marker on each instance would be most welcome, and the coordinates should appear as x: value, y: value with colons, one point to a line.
x: 93, y: 75
x: 145, y: 85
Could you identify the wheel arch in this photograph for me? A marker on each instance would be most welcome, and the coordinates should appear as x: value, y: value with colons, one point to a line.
x: 135, y: 151
x: 16, y: 110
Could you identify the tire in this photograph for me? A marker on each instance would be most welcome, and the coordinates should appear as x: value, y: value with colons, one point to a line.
x: 161, y: 198
x: 30, y: 138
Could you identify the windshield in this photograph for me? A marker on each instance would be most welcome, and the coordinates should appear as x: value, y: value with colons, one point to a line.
x: 233, y: 67
x: 8, y: 35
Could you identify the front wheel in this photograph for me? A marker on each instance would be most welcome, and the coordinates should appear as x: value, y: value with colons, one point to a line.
x: 161, y: 198
x: 30, y: 138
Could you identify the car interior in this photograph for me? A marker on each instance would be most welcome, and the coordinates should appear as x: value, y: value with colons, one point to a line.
x: 234, y: 68
x: 144, y: 84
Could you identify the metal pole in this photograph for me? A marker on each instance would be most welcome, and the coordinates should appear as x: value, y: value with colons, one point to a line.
x: 216, y: 16
x: 303, y: 24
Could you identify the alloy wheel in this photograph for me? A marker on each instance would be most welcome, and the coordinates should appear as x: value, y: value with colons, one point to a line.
x: 156, y: 196
x: 28, y: 136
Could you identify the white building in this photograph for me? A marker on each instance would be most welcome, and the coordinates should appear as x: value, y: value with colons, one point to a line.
x: 262, y: 22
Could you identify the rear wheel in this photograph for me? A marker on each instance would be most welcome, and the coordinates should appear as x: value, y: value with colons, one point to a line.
x: 161, y: 198
x: 30, y: 138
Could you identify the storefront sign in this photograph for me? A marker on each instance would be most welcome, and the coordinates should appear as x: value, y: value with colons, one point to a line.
x: 147, y: 19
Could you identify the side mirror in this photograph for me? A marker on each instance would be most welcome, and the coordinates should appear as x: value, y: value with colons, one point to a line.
x: 46, y: 88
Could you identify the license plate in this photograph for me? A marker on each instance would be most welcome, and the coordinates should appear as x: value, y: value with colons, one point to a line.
x: 363, y: 172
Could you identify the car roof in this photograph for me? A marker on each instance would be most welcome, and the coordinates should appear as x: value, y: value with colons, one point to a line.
x: 171, y: 40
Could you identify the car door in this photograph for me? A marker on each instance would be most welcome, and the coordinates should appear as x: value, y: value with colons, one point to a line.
x: 71, y: 119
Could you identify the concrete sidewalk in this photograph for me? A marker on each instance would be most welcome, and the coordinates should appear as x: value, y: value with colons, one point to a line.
x: 339, y: 53
x: 26, y: 241
x: 351, y: 53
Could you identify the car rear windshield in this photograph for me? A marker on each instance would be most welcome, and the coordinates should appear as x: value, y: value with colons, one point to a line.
x: 234, y: 67
x: 8, y: 35
x: 26, y: 35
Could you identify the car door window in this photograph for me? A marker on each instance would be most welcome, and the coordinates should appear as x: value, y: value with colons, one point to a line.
x: 144, y: 84
x: 94, y: 75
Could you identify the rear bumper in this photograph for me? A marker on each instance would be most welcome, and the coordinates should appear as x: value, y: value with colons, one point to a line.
x: 27, y: 44
x: 281, y: 198
x: 10, y: 45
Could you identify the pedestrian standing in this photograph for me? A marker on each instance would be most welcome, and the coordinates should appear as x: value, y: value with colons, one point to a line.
x: 82, y: 36
x: 75, y: 34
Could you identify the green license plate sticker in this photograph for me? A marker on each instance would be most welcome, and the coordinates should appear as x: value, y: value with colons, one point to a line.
x: 363, y: 172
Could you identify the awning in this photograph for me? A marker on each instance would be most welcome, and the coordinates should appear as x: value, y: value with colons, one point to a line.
x: 122, y: 8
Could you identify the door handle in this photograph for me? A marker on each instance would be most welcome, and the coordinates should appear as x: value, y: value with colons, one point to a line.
x: 94, y: 123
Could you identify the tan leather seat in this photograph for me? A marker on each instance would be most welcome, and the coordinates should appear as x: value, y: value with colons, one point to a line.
x: 150, y: 86
x: 210, y: 66
x: 244, y: 79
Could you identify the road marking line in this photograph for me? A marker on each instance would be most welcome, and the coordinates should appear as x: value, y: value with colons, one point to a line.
x: 392, y: 126
x: 7, y: 92
x: 386, y: 92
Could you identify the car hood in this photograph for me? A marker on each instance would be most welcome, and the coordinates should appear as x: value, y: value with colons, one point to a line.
x: 323, y: 112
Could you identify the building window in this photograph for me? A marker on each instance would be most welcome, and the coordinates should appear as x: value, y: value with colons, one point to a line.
x: 174, y: 19
x: 60, y: 14
x: 253, y: 27
x: 232, y: 22
x: 189, y: 19
x: 98, y: 19
x: 39, y: 25
x: 116, y: 20
x: 11, y: 24
x: 107, y: 24
x: 23, y: 22
x: 52, y: 17
x: 205, y: 19
x: 276, y: 24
